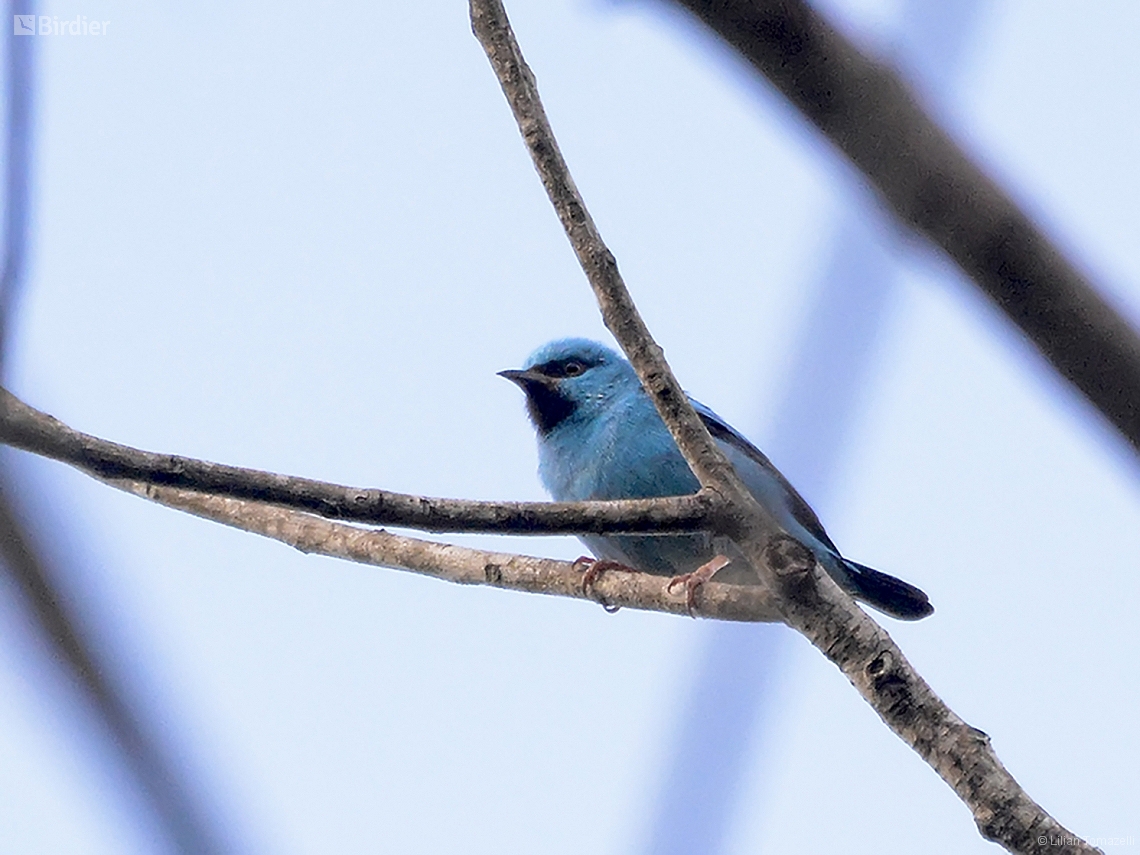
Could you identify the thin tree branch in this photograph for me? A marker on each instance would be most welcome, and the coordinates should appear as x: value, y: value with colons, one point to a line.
x: 29, y: 429
x: 867, y: 110
x: 806, y: 596
x: 311, y: 534
x: 618, y: 311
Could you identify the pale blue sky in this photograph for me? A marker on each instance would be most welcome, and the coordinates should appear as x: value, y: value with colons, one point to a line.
x: 304, y: 238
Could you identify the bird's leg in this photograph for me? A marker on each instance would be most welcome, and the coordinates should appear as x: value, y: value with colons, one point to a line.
x: 595, y: 568
x: 693, y: 581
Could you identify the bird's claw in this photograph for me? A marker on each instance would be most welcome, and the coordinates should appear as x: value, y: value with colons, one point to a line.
x: 692, y: 582
x: 594, y: 568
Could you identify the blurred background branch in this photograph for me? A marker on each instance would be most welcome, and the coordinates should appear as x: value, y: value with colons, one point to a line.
x: 42, y: 582
x: 871, y: 115
x: 741, y: 677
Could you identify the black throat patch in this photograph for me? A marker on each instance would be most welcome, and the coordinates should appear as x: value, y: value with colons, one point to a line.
x: 547, y: 407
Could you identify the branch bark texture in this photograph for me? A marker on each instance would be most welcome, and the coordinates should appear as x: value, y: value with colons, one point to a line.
x: 27, y: 428
x: 310, y: 534
x: 806, y: 596
x: 866, y: 110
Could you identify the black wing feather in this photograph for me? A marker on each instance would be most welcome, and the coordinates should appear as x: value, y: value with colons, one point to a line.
x: 886, y: 593
x: 800, y: 509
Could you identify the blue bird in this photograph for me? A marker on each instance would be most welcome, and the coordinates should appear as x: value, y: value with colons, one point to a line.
x: 600, y: 437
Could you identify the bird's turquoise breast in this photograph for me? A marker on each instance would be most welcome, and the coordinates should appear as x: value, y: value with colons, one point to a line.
x: 627, y: 453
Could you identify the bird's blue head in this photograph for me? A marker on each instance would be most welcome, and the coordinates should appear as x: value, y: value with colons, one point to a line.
x: 571, y: 379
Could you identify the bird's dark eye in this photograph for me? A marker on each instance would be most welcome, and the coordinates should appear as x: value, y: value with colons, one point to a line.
x: 558, y: 369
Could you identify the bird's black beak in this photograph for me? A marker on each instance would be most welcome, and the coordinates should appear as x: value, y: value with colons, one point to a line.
x: 544, y: 401
x: 527, y: 380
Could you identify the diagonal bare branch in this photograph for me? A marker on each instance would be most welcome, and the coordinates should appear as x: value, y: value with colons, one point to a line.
x: 808, y: 599
x: 618, y: 310
x: 26, y: 428
x: 930, y: 183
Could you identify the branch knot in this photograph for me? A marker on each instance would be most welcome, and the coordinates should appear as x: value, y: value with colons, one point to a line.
x: 789, y: 559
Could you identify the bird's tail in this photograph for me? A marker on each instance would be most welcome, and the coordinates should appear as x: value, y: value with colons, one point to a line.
x: 887, y: 594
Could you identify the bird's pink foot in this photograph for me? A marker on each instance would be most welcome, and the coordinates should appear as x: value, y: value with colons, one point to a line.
x: 594, y: 568
x: 692, y: 581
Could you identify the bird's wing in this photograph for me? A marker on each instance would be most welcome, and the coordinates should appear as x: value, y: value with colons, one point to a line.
x: 801, y: 511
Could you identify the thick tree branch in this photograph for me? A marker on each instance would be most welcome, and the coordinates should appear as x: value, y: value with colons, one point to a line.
x: 806, y: 596
x: 310, y: 534
x: 866, y: 110
x: 24, y: 427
